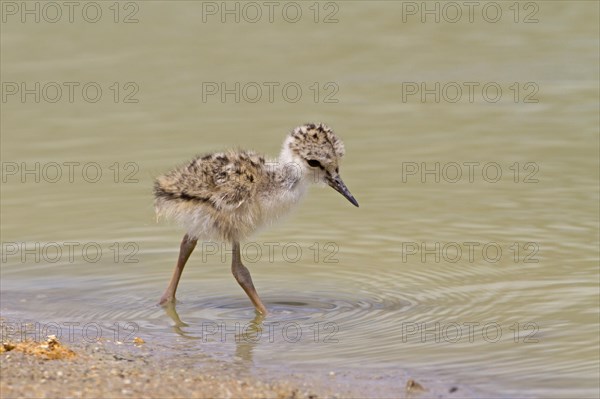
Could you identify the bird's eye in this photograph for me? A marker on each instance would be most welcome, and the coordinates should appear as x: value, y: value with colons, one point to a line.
x: 313, y: 163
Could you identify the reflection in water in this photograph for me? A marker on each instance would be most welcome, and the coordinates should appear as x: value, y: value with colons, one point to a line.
x: 246, y: 335
x: 178, y: 323
x: 249, y: 338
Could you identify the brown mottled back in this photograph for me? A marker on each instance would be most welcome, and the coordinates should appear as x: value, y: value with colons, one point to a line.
x: 223, y: 180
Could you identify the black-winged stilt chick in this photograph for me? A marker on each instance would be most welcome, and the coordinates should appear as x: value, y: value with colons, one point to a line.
x: 229, y: 195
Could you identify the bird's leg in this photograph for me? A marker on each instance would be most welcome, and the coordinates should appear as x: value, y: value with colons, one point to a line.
x: 242, y: 275
x: 185, y: 250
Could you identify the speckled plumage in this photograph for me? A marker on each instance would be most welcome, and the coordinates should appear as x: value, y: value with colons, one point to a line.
x: 211, y: 196
x: 229, y: 195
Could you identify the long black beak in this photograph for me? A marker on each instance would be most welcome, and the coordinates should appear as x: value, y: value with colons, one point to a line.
x: 338, y: 185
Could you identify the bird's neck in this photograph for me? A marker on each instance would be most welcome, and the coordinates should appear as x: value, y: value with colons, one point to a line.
x: 288, y: 182
x: 291, y: 176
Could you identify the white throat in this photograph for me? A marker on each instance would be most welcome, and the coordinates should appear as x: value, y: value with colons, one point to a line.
x: 288, y: 185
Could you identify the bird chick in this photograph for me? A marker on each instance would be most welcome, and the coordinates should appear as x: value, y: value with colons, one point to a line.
x: 230, y: 195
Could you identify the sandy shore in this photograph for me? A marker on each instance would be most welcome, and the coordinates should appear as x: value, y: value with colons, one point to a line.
x: 106, y: 369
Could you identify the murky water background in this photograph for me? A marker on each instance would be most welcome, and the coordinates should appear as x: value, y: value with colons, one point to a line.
x: 413, y: 278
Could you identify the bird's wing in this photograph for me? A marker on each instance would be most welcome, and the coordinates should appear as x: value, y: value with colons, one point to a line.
x: 225, y: 180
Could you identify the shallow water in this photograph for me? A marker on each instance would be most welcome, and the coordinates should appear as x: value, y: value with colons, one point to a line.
x: 362, y: 289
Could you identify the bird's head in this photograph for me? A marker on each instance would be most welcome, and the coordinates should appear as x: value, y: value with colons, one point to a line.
x: 317, y: 151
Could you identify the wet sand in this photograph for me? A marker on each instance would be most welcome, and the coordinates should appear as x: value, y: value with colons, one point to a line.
x: 101, y: 374
x: 108, y: 369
